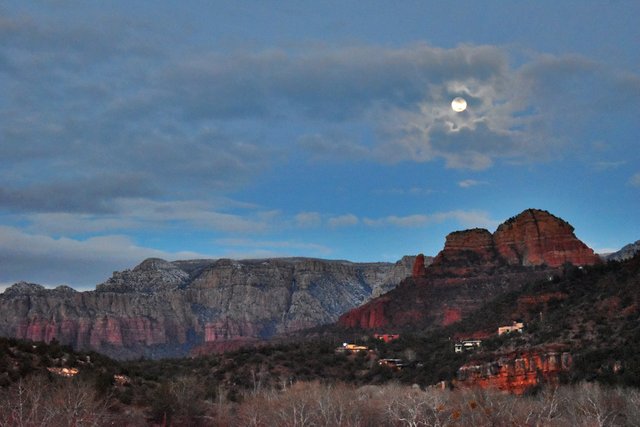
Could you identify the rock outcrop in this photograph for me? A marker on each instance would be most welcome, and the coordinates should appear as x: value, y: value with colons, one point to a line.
x: 536, y: 237
x: 161, y: 308
x: 419, y: 269
x: 516, y: 372
x: 473, y: 267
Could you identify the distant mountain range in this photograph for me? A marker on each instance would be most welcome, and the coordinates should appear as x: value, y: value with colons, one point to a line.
x: 162, y: 309
x: 625, y: 253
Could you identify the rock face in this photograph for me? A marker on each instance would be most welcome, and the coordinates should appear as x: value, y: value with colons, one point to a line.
x: 419, y: 267
x: 161, y: 309
x: 536, y: 237
x: 474, y: 266
x: 516, y: 372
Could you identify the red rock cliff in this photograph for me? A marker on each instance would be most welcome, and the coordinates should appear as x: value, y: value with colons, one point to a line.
x: 515, y: 372
x: 536, y: 237
x: 465, y: 252
x: 474, y: 266
x: 418, y: 266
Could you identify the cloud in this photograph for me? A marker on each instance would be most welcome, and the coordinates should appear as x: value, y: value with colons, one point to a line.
x: 308, y: 219
x: 334, y: 148
x: 410, y: 191
x: 634, y: 181
x: 467, y: 219
x: 277, y: 248
x: 397, y: 221
x: 467, y: 183
x: 79, y: 263
x: 94, y: 194
x: 140, y: 214
x: 89, y: 105
x: 343, y: 221
x: 601, y: 166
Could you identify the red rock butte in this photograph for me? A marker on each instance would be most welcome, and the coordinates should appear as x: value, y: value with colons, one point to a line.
x: 473, y: 266
x: 534, y: 237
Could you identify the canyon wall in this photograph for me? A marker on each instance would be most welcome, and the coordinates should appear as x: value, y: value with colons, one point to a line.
x: 161, y: 308
x: 517, y: 372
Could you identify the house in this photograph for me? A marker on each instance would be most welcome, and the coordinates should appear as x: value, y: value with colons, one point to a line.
x: 386, y: 338
x: 514, y: 327
x: 64, y: 372
x: 351, y: 348
x: 121, y: 380
x: 395, y: 364
x: 467, y: 345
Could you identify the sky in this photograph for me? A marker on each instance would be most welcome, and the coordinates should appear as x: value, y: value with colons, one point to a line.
x: 251, y: 129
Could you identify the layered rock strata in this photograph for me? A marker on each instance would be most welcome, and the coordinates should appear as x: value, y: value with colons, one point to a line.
x: 517, y: 372
x: 162, y: 308
x: 473, y: 267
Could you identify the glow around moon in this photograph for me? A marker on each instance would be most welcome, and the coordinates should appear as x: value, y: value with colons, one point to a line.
x: 458, y: 104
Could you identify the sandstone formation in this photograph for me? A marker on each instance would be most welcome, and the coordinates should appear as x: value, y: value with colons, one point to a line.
x: 516, y: 372
x: 536, y: 237
x: 473, y: 267
x: 162, y: 308
x: 419, y: 267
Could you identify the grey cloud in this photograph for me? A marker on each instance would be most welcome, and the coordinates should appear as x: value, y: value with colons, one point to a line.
x: 94, y: 194
x: 330, y: 83
x: 98, y: 102
x: 147, y: 214
x: 79, y: 263
x: 333, y: 147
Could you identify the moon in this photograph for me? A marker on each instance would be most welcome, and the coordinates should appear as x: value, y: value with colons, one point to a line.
x: 458, y: 104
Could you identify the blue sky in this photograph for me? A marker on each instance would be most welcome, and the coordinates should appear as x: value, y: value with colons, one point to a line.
x: 292, y: 128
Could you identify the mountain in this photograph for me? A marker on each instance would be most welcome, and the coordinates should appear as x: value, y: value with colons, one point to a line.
x: 627, y: 252
x: 475, y: 266
x: 162, y: 309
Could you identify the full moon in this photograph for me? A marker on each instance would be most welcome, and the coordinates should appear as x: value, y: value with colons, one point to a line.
x: 458, y: 104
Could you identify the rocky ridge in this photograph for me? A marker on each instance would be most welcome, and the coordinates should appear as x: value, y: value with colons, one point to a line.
x: 473, y: 266
x: 162, y: 308
x: 627, y: 252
